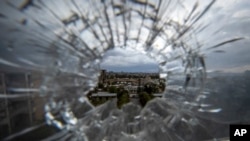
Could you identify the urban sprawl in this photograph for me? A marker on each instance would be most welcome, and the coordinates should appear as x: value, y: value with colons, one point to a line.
x: 127, y: 86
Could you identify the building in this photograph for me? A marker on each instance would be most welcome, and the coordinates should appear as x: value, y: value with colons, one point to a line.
x: 102, y: 77
x: 102, y: 96
x: 19, y: 103
x: 131, y: 89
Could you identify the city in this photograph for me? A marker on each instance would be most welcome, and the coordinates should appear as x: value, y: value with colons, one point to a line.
x: 137, y: 87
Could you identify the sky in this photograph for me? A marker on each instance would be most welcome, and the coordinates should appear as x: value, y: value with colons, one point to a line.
x: 128, y: 60
x: 235, y: 58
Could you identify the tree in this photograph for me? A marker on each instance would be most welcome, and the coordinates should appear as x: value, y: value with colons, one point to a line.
x: 144, y: 97
x: 122, y: 97
x: 100, y: 85
x: 151, y: 88
x: 112, y: 89
x: 162, y: 86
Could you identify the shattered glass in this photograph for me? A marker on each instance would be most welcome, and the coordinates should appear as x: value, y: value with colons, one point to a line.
x: 65, y: 40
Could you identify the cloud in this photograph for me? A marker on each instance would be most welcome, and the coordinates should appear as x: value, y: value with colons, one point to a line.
x: 242, y: 14
x: 127, y: 59
x: 240, y: 69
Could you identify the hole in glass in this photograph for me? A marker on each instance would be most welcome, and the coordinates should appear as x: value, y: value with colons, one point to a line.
x: 127, y: 76
x: 73, y: 34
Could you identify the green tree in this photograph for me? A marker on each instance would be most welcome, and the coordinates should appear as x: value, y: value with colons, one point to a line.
x: 162, y: 86
x: 100, y: 85
x: 144, y: 97
x: 112, y: 89
x: 122, y: 97
x: 97, y: 101
x: 151, y: 88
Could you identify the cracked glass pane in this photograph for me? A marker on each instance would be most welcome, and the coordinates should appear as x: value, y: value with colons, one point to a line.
x: 50, y: 55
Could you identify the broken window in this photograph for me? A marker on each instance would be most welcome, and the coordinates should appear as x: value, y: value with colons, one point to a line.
x: 199, y: 47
